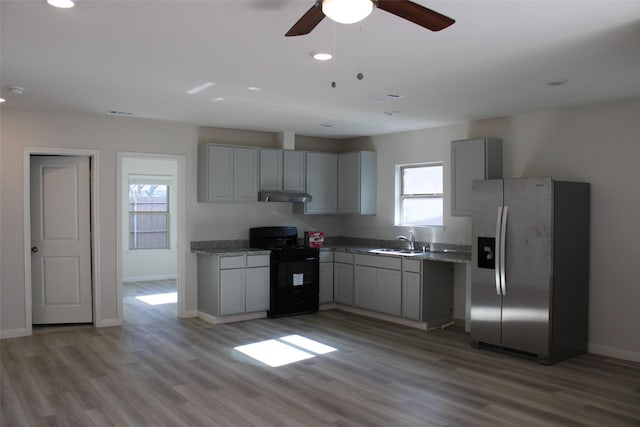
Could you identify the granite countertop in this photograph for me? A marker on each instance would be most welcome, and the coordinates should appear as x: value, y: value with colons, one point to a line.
x: 438, y: 255
x: 441, y: 252
x: 225, y: 248
x: 231, y: 251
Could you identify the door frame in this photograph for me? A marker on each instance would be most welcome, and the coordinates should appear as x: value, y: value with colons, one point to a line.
x: 180, y: 159
x: 94, y: 177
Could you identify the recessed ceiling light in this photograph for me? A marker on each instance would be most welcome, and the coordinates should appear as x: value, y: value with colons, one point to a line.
x: 120, y: 113
x: 2, y: 100
x: 393, y: 113
x: 64, y: 4
x: 254, y: 88
x: 326, y: 125
x: 320, y: 55
x: 200, y: 88
x: 390, y: 97
x: 218, y: 99
x: 556, y: 82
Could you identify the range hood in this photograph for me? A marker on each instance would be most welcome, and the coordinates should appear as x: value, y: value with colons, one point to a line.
x: 283, y: 196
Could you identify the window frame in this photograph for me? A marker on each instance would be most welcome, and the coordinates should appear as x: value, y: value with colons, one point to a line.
x: 401, y: 196
x: 166, y: 213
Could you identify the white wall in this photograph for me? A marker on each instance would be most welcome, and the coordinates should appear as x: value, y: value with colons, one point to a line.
x: 599, y: 144
x: 153, y: 264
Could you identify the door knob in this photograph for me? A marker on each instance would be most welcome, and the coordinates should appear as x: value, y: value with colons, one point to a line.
x: 34, y: 249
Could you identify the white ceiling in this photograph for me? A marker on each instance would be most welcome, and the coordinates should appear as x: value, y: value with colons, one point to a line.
x: 144, y: 56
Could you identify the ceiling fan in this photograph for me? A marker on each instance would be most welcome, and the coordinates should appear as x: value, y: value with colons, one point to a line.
x: 406, y: 9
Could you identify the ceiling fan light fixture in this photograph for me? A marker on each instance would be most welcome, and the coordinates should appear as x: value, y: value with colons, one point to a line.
x: 347, y: 11
x: 64, y: 4
x: 319, y: 55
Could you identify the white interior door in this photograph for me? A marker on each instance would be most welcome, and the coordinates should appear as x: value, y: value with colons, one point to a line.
x: 60, y: 240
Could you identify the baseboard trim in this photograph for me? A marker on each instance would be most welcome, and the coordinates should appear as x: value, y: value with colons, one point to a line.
x: 148, y: 278
x: 189, y: 314
x: 380, y: 316
x: 106, y: 323
x: 217, y: 320
x: 617, y: 353
x: 14, y: 333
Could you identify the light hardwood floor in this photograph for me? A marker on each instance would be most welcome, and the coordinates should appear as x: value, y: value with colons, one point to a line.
x: 162, y: 371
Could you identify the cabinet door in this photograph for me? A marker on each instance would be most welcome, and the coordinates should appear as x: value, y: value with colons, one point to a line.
x: 231, y: 291
x: 343, y: 283
x: 257, y: 289
x: 349, y: 180
x: 467, y: 159
x: 322, y: 183
x: 294, y: 171
x: 326, y: 282
x: 365, y: 287
x: 245, y: 174
x: 411, y: 295
x: 388, y: 291
x: 270, y: 170
x: 219, y: 172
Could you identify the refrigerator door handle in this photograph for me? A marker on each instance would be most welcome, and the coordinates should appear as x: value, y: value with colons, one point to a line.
x: 503, y: 253
x: 498, y: 255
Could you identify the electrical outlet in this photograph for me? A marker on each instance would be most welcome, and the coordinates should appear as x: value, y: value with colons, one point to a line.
x: 464, y: 239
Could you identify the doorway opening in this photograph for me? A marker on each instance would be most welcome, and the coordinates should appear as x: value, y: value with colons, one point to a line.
x: 150, y: 213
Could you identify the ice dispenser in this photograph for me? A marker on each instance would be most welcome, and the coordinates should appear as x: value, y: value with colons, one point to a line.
x: 486, y: 252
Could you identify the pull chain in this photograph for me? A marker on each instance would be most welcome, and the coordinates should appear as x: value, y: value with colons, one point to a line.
x: 360, y: 76
x: 333, y: 82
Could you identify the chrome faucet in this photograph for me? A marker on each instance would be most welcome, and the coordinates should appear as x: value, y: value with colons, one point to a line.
x: 411, y: 240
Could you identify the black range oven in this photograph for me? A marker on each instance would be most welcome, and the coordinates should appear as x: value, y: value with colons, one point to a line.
x: 294, y: 271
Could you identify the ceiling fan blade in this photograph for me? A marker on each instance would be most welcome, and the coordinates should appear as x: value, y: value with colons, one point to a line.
x: 416, y: 13
x: 307, y: 23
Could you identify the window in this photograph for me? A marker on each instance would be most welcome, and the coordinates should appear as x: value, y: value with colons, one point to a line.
x: 420, y: 199
x: 148, y: 215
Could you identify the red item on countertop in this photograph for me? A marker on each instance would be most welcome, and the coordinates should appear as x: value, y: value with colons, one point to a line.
x: 314, y: 239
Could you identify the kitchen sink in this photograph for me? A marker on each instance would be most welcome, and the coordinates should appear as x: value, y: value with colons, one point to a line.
x: 403, y: 252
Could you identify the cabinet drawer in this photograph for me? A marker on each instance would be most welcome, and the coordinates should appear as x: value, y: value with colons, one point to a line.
x: 258, y: 260
x: 326, y: 256
x: 344, y: 257
x: 392, y: 263
x: 411, y: 265
x: 237, y: 261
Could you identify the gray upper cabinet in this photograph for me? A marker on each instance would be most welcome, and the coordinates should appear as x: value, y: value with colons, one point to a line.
x: 282, y: 170
x: 293, y: 171
x: 322, y: 183
x: 357, y: 184
x: 472, y: 159
x: 270, y: 170
x: 227, y: 173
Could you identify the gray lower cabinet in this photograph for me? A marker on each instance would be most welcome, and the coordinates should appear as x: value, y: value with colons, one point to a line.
x: 233, y: 284
x: 378, y: 284
x: 326, y: 277
x: 437, y: 293
x: 411, y: 289
x: 343, y: 278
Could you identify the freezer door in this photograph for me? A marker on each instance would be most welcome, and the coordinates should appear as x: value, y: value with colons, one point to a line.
x: 486, y: 306
x: 528, y: 262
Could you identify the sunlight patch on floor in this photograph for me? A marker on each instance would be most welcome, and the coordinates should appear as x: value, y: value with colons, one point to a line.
x: 285, y: 350
x: 157, y: 299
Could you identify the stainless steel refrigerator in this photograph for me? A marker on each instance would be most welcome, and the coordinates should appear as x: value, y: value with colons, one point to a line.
x: 530, y: 271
